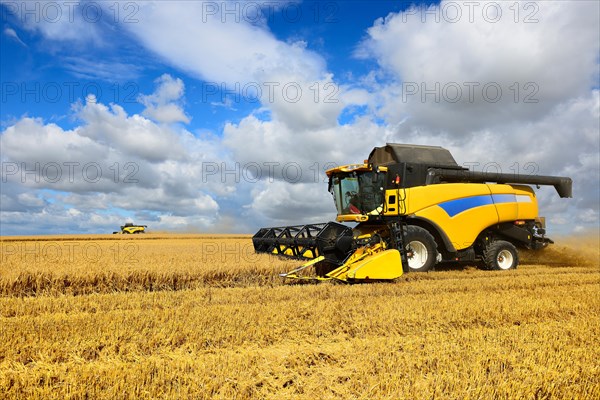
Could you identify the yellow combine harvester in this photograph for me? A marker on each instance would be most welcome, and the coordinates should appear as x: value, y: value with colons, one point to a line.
x: 415, y: 207
x: 130, y: 228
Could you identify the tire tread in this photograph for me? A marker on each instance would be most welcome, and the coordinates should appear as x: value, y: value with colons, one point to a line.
x: 491, y: 253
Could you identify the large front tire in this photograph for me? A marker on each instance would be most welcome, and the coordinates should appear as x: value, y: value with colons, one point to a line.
x: 421, y: 249
x: 501, y: 256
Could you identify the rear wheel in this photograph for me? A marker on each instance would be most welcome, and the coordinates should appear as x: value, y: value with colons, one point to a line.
x: 421, y: 249
x: 501, y: 255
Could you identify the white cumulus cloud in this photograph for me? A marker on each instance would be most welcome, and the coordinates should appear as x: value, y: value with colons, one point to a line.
x: 164, y: 104
x: 109, y: 167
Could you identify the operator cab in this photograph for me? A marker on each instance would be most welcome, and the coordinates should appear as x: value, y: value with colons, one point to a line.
x: 357, y: 190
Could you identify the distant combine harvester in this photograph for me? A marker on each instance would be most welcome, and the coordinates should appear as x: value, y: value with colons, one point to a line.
x: 129, y: 228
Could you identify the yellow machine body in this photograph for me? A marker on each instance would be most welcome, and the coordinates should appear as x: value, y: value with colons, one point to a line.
x: 134, y: 229
x: 460, y: 210
x: 130, y: 229
x: 373, y: 262
x: 464, y: 210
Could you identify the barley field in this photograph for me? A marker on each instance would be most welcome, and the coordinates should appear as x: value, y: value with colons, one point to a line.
x: 164, y: 316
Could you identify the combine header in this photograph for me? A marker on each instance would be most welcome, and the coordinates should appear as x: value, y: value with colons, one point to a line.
x: 415, y: 207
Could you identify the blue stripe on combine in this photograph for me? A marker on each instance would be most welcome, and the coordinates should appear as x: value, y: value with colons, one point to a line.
x: 454, y: 207
x: 457, y: 206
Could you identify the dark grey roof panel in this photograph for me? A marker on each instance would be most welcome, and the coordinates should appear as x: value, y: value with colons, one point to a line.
x: 393, y: 153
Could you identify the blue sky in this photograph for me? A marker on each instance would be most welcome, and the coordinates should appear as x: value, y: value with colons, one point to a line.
x: 222, y: 116
x: 44, y: 77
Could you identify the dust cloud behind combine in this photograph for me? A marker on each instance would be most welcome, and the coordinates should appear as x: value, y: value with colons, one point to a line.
x: 577, y: 250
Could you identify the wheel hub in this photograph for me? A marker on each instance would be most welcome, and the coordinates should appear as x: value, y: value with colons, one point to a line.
x: 504, y: 259
x: 416, y: 253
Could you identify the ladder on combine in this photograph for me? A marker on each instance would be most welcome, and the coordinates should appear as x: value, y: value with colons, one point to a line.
x: 397, y: 240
